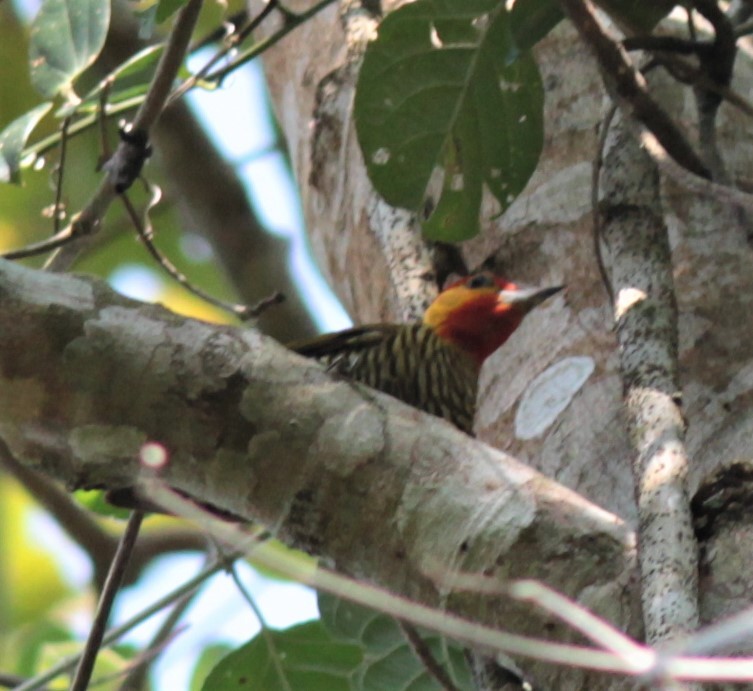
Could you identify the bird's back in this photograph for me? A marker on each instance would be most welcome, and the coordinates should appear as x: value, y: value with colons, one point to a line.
x: 407, y: 361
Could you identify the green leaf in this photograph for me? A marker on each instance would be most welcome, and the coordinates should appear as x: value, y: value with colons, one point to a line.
x: 301, y: 657
x: 94, y: 500
x: 12, y: 141
x: 388, y: 662
x: 66, y: 37
x: 207, y: 661
x: 531, y: 20
x: 445, y: 105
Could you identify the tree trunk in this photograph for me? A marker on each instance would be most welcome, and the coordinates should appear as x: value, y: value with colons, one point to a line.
x: 553, y: 395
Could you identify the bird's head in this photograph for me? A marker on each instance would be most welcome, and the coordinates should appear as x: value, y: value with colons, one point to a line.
x: 480, y: 312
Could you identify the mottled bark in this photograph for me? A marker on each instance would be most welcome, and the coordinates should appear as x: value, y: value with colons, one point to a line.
x: 636, y: 244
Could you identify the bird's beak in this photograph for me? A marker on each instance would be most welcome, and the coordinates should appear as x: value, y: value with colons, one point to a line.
x: 526, y: 298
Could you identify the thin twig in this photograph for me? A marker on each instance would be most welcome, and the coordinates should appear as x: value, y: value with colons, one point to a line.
x: 649, y: 665
x: 231, y: 42
x: 716, y: 66
x: 56, y: 209
x: 104, y: 142
x: 144, y: 230
x: 223, y: 32
x: 168, y: 66
x: 423, y: 653
x: 295, y: 20
x: 12, y: 681
x: 686, y: 73
x: 458, y: 628
x: 143, y: 658
x: 577, y: 617
x: 69, y: 663
x: 744, y: 29
x: 112, y: 585
x: 165, y: 635
x: 720, y: 635
x: 595, y: 215
x: 669, y: 44
x: 719, y: 61
x: 88, y: 220
x: 264, y: 630
x: 50, y: 142
x: 691, y: 23
x: 43, y: 246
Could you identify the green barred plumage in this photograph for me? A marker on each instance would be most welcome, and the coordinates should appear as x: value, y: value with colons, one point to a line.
x: 407, y: 361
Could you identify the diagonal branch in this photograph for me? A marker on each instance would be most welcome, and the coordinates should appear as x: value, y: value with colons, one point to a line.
x: 87, y: 221
x: 372, y: 484
x: 113, y: 582
x: 628, y: 87
x: 256, y: 261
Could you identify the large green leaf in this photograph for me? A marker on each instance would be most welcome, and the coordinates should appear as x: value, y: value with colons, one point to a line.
x: 445, y: 105
x: 388, y: 662
x: 12, y: 141
x: 301, y: 657
x: 66, y: 37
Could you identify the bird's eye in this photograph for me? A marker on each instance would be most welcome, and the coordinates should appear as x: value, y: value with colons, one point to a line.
x: 480, y: 281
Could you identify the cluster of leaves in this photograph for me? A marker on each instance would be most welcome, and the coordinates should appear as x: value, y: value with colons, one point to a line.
x: 66, y: 38
x: 449, y: 100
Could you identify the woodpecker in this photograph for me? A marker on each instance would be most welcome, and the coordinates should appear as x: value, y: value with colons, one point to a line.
x: 433, y: 364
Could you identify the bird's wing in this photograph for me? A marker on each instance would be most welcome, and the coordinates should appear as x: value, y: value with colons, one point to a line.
x: 407, y: 361
x: 356, y: 339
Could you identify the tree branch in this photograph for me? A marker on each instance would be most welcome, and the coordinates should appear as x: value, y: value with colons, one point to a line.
x: 87, y: 221
x: 114, y: 580
x: 377, y: 487
x: 256, y: 262
x: 628, y: 87
x: 646, y: 323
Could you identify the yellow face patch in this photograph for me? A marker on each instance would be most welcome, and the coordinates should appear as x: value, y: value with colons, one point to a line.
x: 453, y: 299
